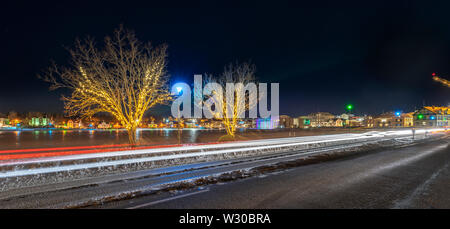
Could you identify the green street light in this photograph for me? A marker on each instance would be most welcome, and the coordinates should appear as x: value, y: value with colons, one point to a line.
x: 349, y: 107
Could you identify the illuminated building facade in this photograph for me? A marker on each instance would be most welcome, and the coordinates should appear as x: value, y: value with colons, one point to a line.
x: 320, y: 119
x: 431, y: 116
x: 267, y: 123
x: 39, y: 121
x: 408, y: 119
x: 4, y: 122
x: 286, y: 122
x: 387, y: 120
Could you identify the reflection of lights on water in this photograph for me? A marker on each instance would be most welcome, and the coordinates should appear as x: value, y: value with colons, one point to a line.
x: 36, y: 134
x: 138, y: 135
x: 194, y: 135
x: 166, y: 132
x: 17, y: 134
x: 165, y: 135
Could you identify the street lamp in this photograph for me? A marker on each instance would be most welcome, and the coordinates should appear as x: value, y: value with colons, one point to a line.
x: 179, y: 90
x: 349, y: 107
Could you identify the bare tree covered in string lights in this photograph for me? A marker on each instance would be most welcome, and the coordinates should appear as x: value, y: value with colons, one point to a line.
x: 125, y: 79
x: 233, y: 93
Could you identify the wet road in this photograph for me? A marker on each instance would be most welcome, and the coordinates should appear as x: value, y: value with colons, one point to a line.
x: 407, y: 177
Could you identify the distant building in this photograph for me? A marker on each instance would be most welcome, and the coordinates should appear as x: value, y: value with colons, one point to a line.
x: 296, y: 122
x: 78, y: 124
x: 355, y: 121
x: 191, y: 123
x: 368, y: 122
x: 336, y: 122
x: 267, y: 123
x: 408, y: 119
x: 431, y: 116
x: 104, y: 125
x: 286, y: 122
x: 4, y: 122
x: 345, y: 116
x: 387, y: 120
x: 216, y: 124
x: 320, y: 119
x: 393, y: 119
x: 70, y: 124
x: 39, y: 121
x: 304, y: 122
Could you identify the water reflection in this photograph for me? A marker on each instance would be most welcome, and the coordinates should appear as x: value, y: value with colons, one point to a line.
x: 60, y: 138
x: 138, y: 135
x: 193, y: 135
x: 17, y: 133
x: 36, y: 134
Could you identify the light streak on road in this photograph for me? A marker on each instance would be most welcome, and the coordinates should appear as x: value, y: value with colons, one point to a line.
x: 98, y: 153
x: 204, y: 151
x: 74, y: 153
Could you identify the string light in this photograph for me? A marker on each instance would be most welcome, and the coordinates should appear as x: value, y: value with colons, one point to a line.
x: 118, y: 80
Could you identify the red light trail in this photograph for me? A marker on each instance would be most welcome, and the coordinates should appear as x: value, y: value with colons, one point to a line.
x: 64, y: 151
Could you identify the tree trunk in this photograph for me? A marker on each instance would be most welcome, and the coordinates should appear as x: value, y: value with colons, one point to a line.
x: 132, y: 135
x: 229, y: 131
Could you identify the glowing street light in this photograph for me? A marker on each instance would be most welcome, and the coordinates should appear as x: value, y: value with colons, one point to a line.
x: 349, y: 107
x: 179, y: 89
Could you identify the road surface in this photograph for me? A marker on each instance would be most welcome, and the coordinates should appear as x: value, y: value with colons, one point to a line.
x: 407, y: 177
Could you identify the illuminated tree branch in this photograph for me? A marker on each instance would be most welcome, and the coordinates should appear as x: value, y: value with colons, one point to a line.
x: 125, y: 79
x: 240, y: 100
x: 442, y: 81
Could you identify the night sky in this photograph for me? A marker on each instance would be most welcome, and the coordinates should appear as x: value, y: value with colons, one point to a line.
x: 378, y: 56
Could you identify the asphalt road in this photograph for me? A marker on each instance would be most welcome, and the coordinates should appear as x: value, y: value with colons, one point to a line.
x: 406, y: 177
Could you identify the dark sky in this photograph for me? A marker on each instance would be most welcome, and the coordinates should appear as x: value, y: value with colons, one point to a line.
x: 378, y: 56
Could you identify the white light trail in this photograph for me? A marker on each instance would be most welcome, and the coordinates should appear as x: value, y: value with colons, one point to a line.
x: 242, y: 147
